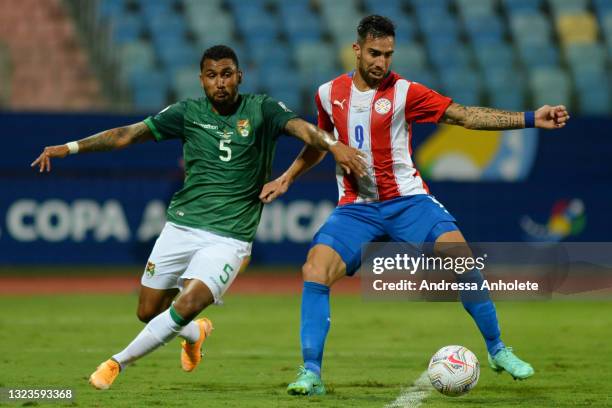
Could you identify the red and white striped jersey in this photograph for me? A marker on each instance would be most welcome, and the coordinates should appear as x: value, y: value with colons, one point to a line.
x: 379, y: 123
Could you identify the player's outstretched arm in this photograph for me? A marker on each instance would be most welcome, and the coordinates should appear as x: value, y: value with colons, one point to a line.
x: 307, y: 159
x: 349, y: 158
x: 478, y: 118
x: 318, y: 142
x: 112, y: 139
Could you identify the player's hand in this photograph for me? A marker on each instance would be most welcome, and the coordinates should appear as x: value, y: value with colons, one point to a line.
x: 551, y: 117
x: 350, y: 159
x: 274, y: 189
x: 44, y: 160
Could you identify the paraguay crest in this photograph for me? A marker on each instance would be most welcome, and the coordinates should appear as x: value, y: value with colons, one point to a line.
x: 244, y: 127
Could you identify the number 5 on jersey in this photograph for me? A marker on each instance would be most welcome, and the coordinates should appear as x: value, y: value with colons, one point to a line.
x: 227, y: 152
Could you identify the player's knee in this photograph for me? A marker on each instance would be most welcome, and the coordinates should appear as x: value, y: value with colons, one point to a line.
x: 311, y: 272
x: 146, y: 314
x: 190, y: 305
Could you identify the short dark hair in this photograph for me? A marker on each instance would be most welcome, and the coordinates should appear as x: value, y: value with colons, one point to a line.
x: 375, y: 26
x: 219, y: 52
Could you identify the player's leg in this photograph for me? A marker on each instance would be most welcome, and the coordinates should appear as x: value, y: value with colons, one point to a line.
x: 335, y: 252
x: 421, y: 218
x: 208, y: 276
x: 168, y: 260
x: 451, y: 243
x: 152, y: 302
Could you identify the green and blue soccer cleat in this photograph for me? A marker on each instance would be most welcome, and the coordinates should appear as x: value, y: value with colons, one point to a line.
x: 506, y: 360
x: 307, y: 383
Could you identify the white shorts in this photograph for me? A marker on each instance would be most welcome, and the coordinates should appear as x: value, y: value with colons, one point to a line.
x: 190, y: 253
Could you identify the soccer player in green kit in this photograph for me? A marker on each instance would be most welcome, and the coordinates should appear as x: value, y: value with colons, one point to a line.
x: 228, y: 146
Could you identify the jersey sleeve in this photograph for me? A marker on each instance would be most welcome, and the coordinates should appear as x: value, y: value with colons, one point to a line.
x: 323, y: 120
x: 424, y: 105
x: 276, y: 115
x: 168, y: 124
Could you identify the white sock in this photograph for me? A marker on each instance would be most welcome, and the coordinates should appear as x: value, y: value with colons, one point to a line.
x: 190, y: 332
x: 157, y: 332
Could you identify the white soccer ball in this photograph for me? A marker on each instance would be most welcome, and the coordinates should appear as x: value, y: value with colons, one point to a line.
x: 453, y: 370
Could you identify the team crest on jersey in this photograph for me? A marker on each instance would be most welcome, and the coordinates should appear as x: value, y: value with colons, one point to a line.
x: 150, y: 269
x: 382, y: 106
x: 244, y: 127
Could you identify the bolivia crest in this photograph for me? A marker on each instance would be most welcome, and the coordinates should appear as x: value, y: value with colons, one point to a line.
x: 244, y: 127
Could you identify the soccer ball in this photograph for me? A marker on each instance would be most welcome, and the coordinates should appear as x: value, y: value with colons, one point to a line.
x: 453, y: 370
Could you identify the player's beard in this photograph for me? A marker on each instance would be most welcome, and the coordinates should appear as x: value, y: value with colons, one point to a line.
x: 372, y: 81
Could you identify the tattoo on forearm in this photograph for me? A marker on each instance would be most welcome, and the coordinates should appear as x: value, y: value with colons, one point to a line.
x: 493, y: 119
x: 113, y: 139
x: 473, y: 117
x: 311, y: 134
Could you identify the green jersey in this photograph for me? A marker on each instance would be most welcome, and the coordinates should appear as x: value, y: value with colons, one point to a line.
x: 228, y: 159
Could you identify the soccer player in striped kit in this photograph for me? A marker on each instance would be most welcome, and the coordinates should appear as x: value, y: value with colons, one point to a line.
x: 373, y: 109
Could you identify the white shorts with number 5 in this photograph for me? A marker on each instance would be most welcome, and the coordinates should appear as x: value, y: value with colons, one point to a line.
x: 190, y: 253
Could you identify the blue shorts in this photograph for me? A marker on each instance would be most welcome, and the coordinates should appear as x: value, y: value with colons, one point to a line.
x: 415, y: 219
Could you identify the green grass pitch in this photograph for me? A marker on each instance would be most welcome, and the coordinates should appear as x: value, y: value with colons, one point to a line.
x: 374, y: 350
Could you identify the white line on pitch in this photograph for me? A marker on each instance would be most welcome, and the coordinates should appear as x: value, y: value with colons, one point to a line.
x: 413, y: 396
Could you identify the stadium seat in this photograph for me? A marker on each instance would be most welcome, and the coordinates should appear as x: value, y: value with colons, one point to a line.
x: 550, y: 86
x: 463, y: 85
x: 157, y: 8
x: 602, y: 7
x: 438, y: 24
x: 522, y: 6
x: 530, y: 28
x: 149, y: 89
x: 422, y: 7
x: 390, y: 8
x: 455, y: 57
x: 405, y: 30
x: 593, y: 90
x: 538, y: 55
x: 509, y: 98
x: 126, y: 28
x: 250, y: 81
x: 409, y: 58
x: 186, y: 83
x: 110, y: 9
x: 484, y: 30
x: 278, y: 77
x: 301, y: 28
x: 312, y: 58
x: 277, y: 55
x: 577, y: 28
x: 494, y: 55
x: 425, y: 77
x: 219, y: 25
x: 568, y: 6
x: 593, y: 55
x: 606, y: 27
x: 292, y: 98
x: 595, y: 101
x: 476, y: 8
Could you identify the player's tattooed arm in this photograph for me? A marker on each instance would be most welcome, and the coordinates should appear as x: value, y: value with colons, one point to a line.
x: 478, y: 118
x: 318, y: 142
x: 472, y: 117
x: 112, y: 139
x: 349, y: 158
x: 307, y: 159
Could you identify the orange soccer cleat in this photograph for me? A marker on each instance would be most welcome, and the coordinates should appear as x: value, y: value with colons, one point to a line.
x: 105, y: 374
x: 191, y: 355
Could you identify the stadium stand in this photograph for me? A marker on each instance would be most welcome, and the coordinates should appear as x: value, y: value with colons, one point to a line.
x: 50, y: 69
x: 513, y: 48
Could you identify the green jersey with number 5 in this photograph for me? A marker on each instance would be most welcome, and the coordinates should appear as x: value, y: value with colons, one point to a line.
x: 228, y: 159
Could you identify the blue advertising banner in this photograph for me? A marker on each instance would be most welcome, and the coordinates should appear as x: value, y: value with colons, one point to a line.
x: 108, y: 208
